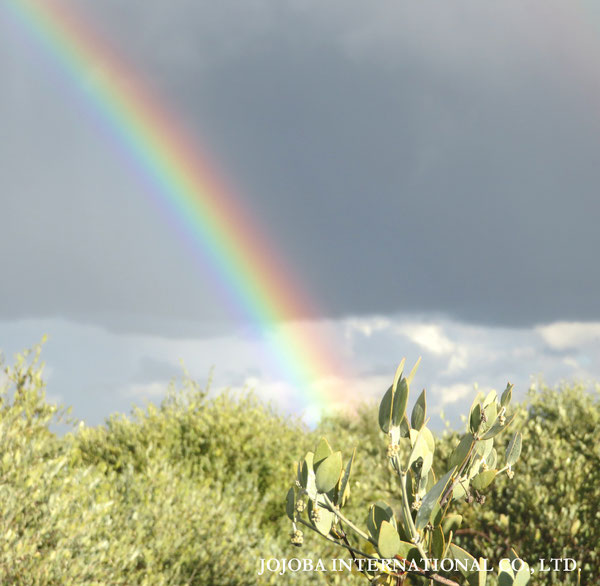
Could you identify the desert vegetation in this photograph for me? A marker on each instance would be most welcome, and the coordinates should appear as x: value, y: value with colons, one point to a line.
x: 192, y: 491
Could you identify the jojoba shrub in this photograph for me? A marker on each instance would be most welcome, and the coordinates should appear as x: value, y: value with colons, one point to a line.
x: 554, y: 509
x: 191, y: 491
x: 413, y: 533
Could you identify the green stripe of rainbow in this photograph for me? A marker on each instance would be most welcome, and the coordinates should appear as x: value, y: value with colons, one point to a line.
x: 244, y: 262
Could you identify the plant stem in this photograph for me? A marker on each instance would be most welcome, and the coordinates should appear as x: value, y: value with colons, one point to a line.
x: 346, y: 521
x: 434, y: 577
x: 414, y: 534
x: 442, y: 580
x: 457, y: 477
x: 345, y: 546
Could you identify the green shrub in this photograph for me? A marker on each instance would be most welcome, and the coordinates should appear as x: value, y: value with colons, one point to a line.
x: 554, y: 509
x: 410, y: 534
x: 137, y: 501
x: 190, y: 491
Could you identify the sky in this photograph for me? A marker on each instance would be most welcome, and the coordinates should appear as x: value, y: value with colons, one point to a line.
x: 426, y: 172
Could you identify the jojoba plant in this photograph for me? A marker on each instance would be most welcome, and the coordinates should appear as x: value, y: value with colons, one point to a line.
x: 411, y: 541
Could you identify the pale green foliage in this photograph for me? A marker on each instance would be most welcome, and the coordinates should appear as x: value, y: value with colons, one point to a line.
x: 554, y: 509
x: 416, y: 525
x: 137, y: 501
x: 191, y: 491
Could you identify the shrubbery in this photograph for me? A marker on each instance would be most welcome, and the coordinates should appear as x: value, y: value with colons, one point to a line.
x: 190, y: 492
x: 409, y: 535
x: 184, y: 493
x: 554, y: 509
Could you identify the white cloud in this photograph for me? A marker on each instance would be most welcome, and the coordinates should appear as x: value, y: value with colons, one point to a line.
x: 366, y: 326
x: 570, y: 335
x: 456, y: 356
x: 100, y: 372
x: 153, y: 391
x: 430, y: 337
x: 445, y: 395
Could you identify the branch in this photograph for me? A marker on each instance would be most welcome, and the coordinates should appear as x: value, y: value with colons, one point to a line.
x: 349, y: 547
x: 353, y: 550
x: 442, y: 580
x: 450, y: 489
x: 343, y: 519
x: 468, y: 531
x: 354, y: 558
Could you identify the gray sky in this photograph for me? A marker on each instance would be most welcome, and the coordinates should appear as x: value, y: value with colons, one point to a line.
x: 405, y: 159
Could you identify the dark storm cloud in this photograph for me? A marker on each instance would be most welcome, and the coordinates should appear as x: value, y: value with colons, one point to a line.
x: 80, y: 236
x: 402, y: 158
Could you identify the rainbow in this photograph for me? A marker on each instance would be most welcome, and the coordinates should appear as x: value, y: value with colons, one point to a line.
x: 258, y: 285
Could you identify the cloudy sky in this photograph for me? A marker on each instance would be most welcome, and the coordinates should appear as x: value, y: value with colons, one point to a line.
x: 429, y: 172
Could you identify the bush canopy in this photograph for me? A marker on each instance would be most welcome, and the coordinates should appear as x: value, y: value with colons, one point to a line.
x: 191, y: 491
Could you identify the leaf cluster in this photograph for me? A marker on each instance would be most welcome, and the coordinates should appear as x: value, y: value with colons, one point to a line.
x: 418, y: 527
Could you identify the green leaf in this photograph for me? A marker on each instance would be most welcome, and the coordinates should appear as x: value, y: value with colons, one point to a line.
x: 399, y: 372
x: 399, y: 402
x: 465, y: 561
x: 325, y: 518
x: 344, y: 491
x: 498, y: 427
x: 523, y: 575
x: 492, y: 459
x: 322, y: 451
x: 431, y: 499
x: 491, y: 413
x: 506, y: 395
x: 408, y: 551
x: 430, y: 480
x: 385, y: 410
x: 388, y: 542
x: 419, y: 412
x: 411, y: 376
x: 483, y: 479
x: 328, y: 472
x: 484, y: 447
x: 490, y: 398
x: 426, y: 477
x: 378, y: 513
x: 473, y: 469
x: 420, y: 450
x: 438, y: 544
x: 307, y: 479
x: 480, y: 577
x: 395, y: 417
x: 290, y: 504
x: 460, y: 490
x: 476, y: 401
x: 475, y: 418
x: 426, y: 467
x: 437, y: 516
x: 426, y: 433
x: 448, y: 543
x: 461, y: 451
x: 404, y: 427
x: 505, y: 573
x: 451, y: 523
x: 513, y: 451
